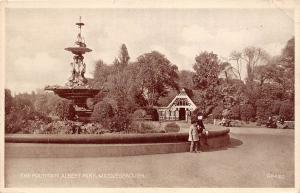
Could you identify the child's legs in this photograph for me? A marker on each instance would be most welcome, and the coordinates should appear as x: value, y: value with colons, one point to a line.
x: 192, y: 146
x: 197, y: 145
x: 205, y: 139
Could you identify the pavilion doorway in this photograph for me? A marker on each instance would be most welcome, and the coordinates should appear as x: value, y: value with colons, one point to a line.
x: 182, y: 113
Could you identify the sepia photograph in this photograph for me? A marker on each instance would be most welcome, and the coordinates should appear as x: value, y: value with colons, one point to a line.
x: 149, y: 97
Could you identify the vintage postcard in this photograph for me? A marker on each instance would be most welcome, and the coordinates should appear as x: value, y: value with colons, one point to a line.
x: 148, y: 94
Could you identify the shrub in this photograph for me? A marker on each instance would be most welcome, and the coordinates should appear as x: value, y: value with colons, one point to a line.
x: 24, y: 120
x: 287, y: 110
x: 234, y: 112
x: 172, y: 127
x: 146, y: 128
x: 217, y: 112
x: 102, y: 113
x: 225, y: 113
x: 153, y: 113
x: 263, y: 109
x: 65, y: 110
x: 121, y: 121
x: 139, y: 114
x: 93, y: 128
x: 247, y: 112
x: 275, y: 106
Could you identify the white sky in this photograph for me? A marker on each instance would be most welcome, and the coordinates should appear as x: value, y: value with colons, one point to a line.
x: 36, y: 38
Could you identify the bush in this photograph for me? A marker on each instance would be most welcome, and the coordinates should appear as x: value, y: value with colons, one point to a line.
x: 93, y: 128
x: 234, y: 112
x: 24, y: 120
x: 139, y: 114
x: 121, y: 121
x: 102, y: 113
x: 287, y: 110
x: 217, y: 112
x: 275, y: 106
x: 247, y: 112
x: 263, y: 109
x: 153, y: 113
x: 172, y: 127
x: 65, y: 110
x: 147, y: 128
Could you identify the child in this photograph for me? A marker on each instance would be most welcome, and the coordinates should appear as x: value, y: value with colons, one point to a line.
x: 194, y: 138
x: 201, y: 129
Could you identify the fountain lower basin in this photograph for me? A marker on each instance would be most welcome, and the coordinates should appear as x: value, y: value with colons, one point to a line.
x: 106, y: 145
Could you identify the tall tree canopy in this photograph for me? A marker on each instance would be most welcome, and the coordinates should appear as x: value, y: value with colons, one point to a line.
x: 156, y: 75
x: 206, y: 79
x: 207, y: 70
x: 124, y: 56
x: 250, y: 57
x: 123, y: 59
x: 186, y: 79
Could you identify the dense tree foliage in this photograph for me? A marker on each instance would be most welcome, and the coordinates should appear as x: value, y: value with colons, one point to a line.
x: 186, y: 79
x: 217, y: 87
x: 156, y: 74
x: 207, y: 68
x: 8, y: 101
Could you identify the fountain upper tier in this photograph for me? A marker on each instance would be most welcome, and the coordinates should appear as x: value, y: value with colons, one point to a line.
x: 78, y: 50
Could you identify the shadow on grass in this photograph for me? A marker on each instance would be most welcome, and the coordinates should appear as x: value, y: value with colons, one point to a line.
x: 233, y: 144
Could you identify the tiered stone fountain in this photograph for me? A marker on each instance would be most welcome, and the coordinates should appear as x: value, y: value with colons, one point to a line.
x: 77, y: 88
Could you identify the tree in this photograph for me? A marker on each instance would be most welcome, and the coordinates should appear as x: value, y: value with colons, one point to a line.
x: 247, y: 112
x: 122, y: 88
x: 165, y: 101
x: 235, y: 112
x: 267, y: 73
x: 228, y: 71
x: 272, y: 91
x: 287, y: 64
x: 101, y: 74
x: 263, y: 109
x: 288, y: 54
x: 207, y: 70
x: 8, y: 101
x: 251, y: 57
x: 217, y: 112
x: 40, y: 103
x: 123, y: 56
x: 156, y: 74
x: 186, y: 79
x: 237, y: 57
x: 206, y: 79
x: 122, y: 61
x: 22, y: 101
